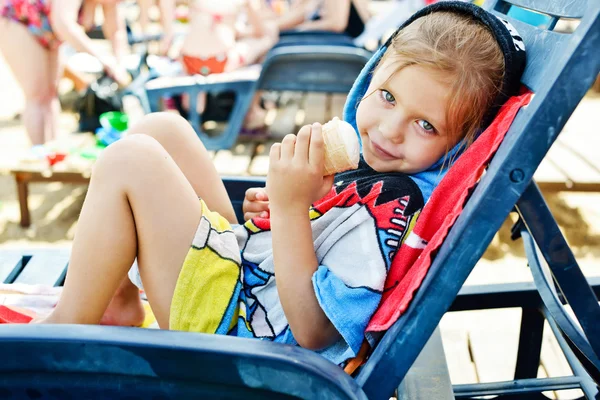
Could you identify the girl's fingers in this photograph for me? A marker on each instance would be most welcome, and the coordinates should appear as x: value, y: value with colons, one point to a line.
x: 257, y: 194
x: 262, y: 196
x: 275, y: 152
x: 316, y: 152
x: 287, y: 147
x: 302, y: 143
x: 257, y: 206
x: 249, y: 215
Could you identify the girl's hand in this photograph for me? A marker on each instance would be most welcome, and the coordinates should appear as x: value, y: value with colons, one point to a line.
x: 118, y: 73
x: 295, y: 179
x: 256, y: 203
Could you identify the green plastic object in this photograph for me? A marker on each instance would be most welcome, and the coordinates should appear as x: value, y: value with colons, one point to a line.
x: 91, y: 153
x: 114, y: 119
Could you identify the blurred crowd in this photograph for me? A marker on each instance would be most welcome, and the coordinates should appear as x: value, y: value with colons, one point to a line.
x: 204, y: 36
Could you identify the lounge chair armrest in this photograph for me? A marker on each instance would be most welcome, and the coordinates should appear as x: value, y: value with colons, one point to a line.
x: 156, y: 362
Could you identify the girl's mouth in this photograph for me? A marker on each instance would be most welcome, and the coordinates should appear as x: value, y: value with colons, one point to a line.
x: 381, y: 153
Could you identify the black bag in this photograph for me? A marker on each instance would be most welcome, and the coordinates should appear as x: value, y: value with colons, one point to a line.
x: 219, y: 106
x: 100, y: 97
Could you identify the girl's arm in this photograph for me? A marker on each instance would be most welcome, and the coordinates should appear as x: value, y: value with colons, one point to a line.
x: 294, y: 16
x: 256, y: 17
x: 114, y: 29
x: 334, y: 17
x: 294, y: 182
x: 295, y: 263
x: 167, y: 18
x: 63, y: 18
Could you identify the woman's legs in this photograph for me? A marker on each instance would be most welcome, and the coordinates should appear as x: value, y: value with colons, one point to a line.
x: 250, y: 50
x: 32, y: 66
x: 139, y: 203
x: 53, y: 111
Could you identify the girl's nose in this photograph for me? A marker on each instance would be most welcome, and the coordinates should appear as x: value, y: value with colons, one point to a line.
x: 392, y: 126
x: 392, y: 132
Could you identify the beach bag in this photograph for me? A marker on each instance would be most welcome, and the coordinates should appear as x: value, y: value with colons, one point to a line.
x: 100, y: 97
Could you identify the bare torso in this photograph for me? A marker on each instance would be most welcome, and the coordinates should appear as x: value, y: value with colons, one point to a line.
x: 211, y: 27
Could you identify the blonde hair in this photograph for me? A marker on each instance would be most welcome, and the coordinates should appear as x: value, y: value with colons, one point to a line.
x: 464, y: 51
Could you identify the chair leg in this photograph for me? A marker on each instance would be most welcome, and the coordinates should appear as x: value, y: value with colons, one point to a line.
x: 530, y: 344
x: 23, y: 193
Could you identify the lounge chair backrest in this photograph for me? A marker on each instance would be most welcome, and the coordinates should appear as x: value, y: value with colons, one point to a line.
x: 560, y: 69
x: 312, y: 68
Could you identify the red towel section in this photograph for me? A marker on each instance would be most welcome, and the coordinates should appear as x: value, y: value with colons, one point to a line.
x: 10, y: 316
x: 437, y: 217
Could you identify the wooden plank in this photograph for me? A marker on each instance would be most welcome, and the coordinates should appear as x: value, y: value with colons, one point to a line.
x: 547, y: 174
x: 236, y: 160
x: 573, y: 165
x: 555, y: 364
x: 336, y: 109
x: 46, y: 267
x: 285, y: 119
x: 456, y: 346
x: 428, y: 377
x: 315, y: 108
x: 260, y: 162
x: 494, y: 343
x: 11, y: 264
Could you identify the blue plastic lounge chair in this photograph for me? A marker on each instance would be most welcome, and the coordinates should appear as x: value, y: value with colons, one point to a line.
x: 59, y: 360
x: 305, y: 68
x: 300, y: 61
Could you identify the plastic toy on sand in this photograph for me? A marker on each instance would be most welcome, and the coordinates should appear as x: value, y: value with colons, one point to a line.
x: 113, y: 123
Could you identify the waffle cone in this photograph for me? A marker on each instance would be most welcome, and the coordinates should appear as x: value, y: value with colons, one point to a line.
x: 341, y: 147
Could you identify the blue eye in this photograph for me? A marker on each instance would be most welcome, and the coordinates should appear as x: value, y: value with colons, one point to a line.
x: 387, y: 96
x: 426, y: 126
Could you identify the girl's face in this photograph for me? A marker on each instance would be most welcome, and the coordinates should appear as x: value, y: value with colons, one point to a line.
x: 402, y: 119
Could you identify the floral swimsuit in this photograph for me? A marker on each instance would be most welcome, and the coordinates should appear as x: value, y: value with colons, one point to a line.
x: 35, y: 15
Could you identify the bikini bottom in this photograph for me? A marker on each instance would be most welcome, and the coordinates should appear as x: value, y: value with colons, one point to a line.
x: 35, y: 15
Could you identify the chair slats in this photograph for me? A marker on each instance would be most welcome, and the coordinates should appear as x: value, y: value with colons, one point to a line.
x: 10, y: 265
x: 539, y: 58
x: 562, y: 9
x: 46, y: 268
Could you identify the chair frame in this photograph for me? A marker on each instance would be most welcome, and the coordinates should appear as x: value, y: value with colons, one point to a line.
x: 559, y: 80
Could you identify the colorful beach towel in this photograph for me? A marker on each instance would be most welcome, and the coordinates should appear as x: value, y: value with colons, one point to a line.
x: 20, y: 303
x: 439, y: 214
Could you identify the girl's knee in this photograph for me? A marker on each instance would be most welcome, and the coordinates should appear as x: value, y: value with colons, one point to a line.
x: 41, y: 96
x: 165, y: 127
x: 128, y: 155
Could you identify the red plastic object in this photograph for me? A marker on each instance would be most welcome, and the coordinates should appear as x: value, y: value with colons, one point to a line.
x: 54, y: 158
x: 10, y: 316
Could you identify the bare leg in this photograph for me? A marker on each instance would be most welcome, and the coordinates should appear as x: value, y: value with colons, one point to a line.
x: 53, y: 110
x: 139, y: 204
x: 250, y: 50
x: 31, y: 65
x: 176, y: 135
x: 144, y: 17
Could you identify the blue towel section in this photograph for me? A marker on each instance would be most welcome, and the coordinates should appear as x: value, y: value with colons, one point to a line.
x: 348, y: 308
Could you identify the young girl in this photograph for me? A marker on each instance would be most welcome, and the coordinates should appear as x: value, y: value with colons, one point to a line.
x: 421, y: 100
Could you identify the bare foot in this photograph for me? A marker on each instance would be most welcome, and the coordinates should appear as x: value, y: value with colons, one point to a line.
x: 125, y: 308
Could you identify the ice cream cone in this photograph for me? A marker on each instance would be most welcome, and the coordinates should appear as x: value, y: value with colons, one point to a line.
x: 342, y: 150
